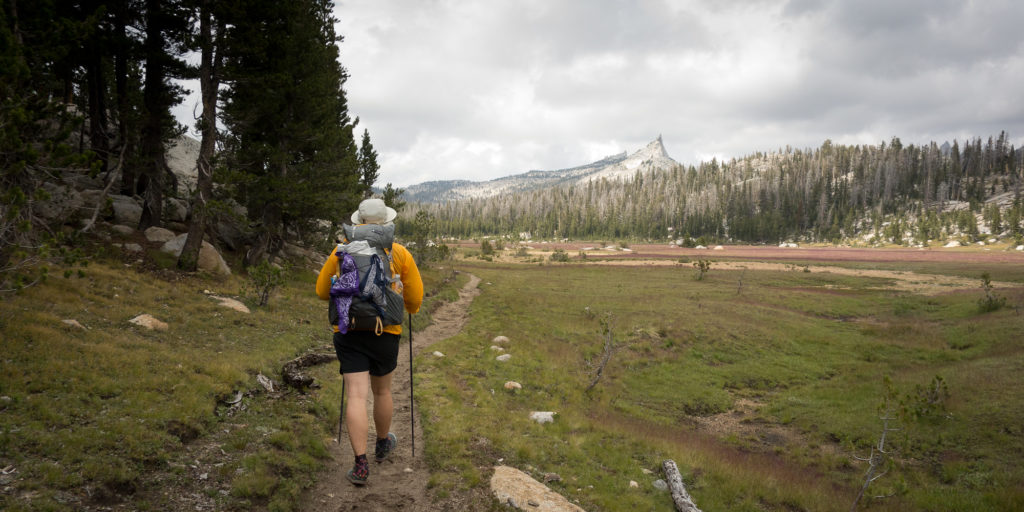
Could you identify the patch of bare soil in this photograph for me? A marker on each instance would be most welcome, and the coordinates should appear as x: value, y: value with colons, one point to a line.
x: 753, y: 258
x: 401, y: 482
x: 899, y: 280
x: 742, y: 421
x: 923, y: 284
x: 745, y: 422
x: 988, y: 254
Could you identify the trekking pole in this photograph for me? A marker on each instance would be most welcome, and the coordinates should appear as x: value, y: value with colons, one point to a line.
x: 341, y: 408
x: 412, y: 409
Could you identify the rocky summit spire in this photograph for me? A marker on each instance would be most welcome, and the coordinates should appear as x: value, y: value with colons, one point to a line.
x: 655, y: 149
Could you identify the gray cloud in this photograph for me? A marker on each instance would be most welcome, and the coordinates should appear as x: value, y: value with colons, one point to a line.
x: 476, y: 90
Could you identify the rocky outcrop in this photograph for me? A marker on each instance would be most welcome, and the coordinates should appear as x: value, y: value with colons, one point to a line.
x: 158, y: 235
x: 652, y: 156
x: 543, y: 417
x: 519, y: 490
x: 126, y: 210
x: 175, y: 210
x: 64, y: 203
x: 230, y: 303
x: 209, y: 259
x: 91, y: 204
x: 149, y: 322
x: 182, y: 155
x: 307, y: 257
x: 122, y: 230
x: 70, y: 322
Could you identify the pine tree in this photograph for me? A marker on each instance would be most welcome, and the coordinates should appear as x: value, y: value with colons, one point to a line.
x: 290, y: 149
x: 368, y: 168
x: 393, y: 197
x: 36, y: 123
x: 211, y: 48
x: 166, y: 26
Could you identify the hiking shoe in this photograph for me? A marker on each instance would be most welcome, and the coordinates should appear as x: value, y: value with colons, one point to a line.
x: 359, y: 472
x: 385, y: 447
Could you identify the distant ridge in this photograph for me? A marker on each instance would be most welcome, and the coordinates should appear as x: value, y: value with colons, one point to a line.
x: 615, y: 167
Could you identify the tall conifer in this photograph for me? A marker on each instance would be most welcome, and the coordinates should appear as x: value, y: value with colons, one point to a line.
x: 368, y: 168
x: 290, y: 146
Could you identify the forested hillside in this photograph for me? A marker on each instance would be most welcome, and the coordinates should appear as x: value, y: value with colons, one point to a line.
x: 892, y: 193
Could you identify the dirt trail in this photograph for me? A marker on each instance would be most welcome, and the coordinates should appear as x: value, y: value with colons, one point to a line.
x: 401, y: 483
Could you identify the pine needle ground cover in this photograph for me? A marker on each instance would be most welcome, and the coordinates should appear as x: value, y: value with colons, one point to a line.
x: 118, y: 416
x: 763, y: 394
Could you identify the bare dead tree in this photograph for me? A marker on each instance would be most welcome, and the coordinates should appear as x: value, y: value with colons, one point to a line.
x: 880, y: 456
x: 111, y: 175
x: 609, y: 349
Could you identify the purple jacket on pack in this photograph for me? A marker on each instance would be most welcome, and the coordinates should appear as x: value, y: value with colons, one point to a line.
x: 344, y: 287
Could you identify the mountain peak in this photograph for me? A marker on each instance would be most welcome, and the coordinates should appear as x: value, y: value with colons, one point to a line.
x: 652, y: 156
x: 655, y: 148
x: 615, y: 167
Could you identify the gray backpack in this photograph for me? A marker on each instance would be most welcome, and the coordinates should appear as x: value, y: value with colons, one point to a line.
x: 376, y: 304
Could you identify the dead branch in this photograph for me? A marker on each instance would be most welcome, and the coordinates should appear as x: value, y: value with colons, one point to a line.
x: 292, y: 370
x: 609, y: 349
x: 110, y: 182
x: 875, y: 460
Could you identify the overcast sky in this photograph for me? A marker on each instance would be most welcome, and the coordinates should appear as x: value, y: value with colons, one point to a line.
x: 482, y: 89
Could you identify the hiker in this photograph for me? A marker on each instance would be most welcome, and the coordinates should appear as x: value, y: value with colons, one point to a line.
x: 368, y: 355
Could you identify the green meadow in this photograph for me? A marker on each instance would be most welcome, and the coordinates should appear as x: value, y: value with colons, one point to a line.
x: 764, y: 393
x: 763, y: 386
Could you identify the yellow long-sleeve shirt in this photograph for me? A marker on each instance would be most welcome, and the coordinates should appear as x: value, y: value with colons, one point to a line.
x: 402, y: 264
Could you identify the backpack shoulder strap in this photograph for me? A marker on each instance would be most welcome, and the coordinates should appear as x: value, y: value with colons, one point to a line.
x: 337, y: 250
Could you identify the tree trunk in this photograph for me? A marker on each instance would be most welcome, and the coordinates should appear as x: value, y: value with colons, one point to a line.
x: 682, y: 499
x: 154, y: 163
x: 120, y: 11
x: 98, y: 108
x: 14, y: 27
x: 268, y: 241
x: 271, y: 237
x: 208, y: 82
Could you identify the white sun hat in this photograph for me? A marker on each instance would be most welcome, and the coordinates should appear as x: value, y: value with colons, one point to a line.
x: 373, y: 211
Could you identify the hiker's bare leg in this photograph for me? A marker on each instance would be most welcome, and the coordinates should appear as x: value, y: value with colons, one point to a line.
x: 383, y: 406
x: 357, y: 389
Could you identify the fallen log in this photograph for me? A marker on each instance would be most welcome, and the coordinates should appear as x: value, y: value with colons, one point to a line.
x: 292, y: 370
x: 682, y: 499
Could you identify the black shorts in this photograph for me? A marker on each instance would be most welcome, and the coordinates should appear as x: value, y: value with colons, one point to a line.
x: 361, y: 351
